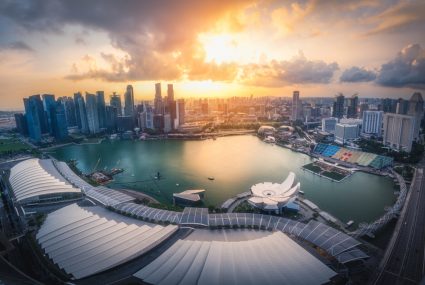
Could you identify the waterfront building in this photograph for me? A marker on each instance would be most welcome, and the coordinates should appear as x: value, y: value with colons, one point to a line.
x: 399, y: 131
x: 171, y: 103
x: 78, y: 115
x: 372, y: 123
x: 21, y: 124
x: 70, y: 112
x: 125, y: 123
x: 83, y: 115
x: 101, y: 108
x: 329, y: 124
x: 167, y: 123
x: 180, y: 113
x: 352, y: 106
x: 111, y: 118
x: 48, y: 104
x: 345, y: 132
x: 416, y: 109
x: 129, y: 101
x: 273, y: 197
x: 158, y: 104
x: 58, y: 121
x: 158, y: 122
x: 32, y: 115
x: 296, y: 106
x: 92, y: 114
x: 146, y: 118
x: 338, y: 106
x: 115, y: 101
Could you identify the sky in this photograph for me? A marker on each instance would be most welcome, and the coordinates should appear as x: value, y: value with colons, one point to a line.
x: 213, y: 48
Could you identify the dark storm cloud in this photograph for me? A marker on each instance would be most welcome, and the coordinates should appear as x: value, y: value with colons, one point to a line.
x: 18, y: 46
x: 298, y: 70
x: 357, y: 74
x: 152, y: 33
x: 407, y: 69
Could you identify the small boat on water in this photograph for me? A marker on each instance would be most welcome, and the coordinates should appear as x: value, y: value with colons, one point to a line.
x: 350, y: 223
x: 301, y: 192
x: 211, y: 178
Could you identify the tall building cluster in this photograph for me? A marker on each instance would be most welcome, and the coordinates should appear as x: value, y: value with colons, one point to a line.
x: 47, y: 116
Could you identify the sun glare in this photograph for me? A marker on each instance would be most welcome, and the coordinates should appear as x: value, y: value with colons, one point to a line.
x: 220, y: 48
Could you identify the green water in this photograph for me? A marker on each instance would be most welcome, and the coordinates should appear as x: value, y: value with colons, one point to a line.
x: 236, y: 163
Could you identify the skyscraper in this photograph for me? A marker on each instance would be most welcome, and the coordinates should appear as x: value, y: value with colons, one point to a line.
x: 372, y: 122
x: 21, y: 124
x: 172, y: 108
x: 70, y: 112
x: 101, y: 108
x: 399, y: 131
x: 77, y: 109
x: 353, y: 103
x: 158, y: 104
x: 338, y: 106
x: 296, y: 106
x: 48, y: 104
x: 83, y: 114
x: 129, y: 101
x: 180, y: 112
x: 111, y: 118
x: 58, y: 121
x: 32, y: 114
x: 92, y: 114
x: 416, y: 109
x: 115, y: 101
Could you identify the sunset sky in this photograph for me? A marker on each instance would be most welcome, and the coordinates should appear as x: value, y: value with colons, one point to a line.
x: 211, y: 48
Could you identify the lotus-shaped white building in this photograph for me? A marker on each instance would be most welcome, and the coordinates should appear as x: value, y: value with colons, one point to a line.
x: 270, y: 196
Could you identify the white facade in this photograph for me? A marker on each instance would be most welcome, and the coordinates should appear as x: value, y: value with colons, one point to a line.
x: 329, y: 124
x: 399, y: 131
x: 372, y: 122
x: 346, y: 132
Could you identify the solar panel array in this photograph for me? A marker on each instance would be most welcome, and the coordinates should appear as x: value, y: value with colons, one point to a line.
x: 257, y: 261
x: 83, y: 243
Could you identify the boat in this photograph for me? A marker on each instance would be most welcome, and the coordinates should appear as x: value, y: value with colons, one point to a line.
x: 350, y: 223
x: 177, y: 184
x: 301, y: 192
x: 211, y: 178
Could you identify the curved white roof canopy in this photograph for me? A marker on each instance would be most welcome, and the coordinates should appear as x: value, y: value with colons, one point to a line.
x: 271, y: 196
x: 33, y: 178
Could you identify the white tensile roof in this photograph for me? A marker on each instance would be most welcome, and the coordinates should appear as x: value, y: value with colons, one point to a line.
x: 272, y: 194
x: 191, y: 195
x: 272, y: 259
x: 35, y: 177
x: 86, y: 241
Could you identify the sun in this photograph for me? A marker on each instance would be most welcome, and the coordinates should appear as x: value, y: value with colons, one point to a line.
x: 220, y: 47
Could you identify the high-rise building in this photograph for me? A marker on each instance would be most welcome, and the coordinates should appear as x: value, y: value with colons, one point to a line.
x: 70, y: 112
x: 101, y: 108
x: 338, y: 106
x: 172, y: 108
x: 49, y: 103
x: 158, y: 104
x: 21, y: 124
x: 92, y: 114
x: 329, y: 124
x: 399, y: 131
x: 116, y: 102
x: 77, y: 109
x: 129, y: 101
x: 111, y: 118
x: 296, y: 106
x: 389, y: 105
x: 32, y: 115
x: 416, y: 109
x: 346, y: 132
x: 352, y: 106
x: 372, y: 123
x: 125, y: 123
x: 180, y: 112
x: 82, y: 113
x: 167, y: 123
x: 363, y: 107
x: 402, y: 106
x: 58, y: 121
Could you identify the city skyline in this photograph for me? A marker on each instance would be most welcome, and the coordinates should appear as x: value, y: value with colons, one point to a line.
x: 238, y: 48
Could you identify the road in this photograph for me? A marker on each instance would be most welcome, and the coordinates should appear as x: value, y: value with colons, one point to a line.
x: 404, y: 262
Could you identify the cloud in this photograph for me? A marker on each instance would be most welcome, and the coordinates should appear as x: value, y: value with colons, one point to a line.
x: 298, y: 70
x: 18, y: 46
x: 398, y: 17
x: 407, y: 69
x: 357, y: 74
x: 151, y: 33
